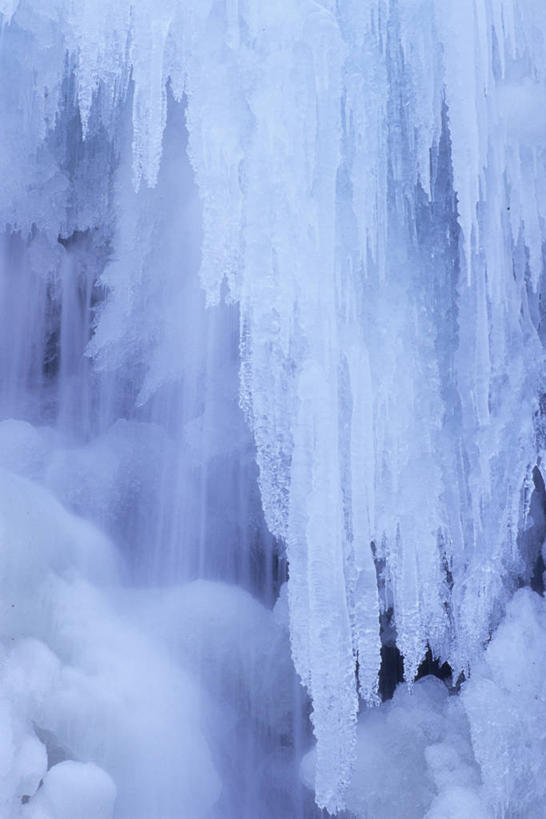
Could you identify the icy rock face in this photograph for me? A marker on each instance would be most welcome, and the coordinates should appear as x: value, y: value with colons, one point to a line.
x: 371, y: 187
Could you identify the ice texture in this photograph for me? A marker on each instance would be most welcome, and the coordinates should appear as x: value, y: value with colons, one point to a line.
x: 429, y: 753
x: 411, y: 753
x: 504, y: 701
x: 362, y: 190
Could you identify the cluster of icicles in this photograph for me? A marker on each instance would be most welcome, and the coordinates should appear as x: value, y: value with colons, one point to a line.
x: 373, y: 187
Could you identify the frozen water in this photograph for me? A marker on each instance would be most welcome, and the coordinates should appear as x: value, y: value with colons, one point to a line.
x: 272, y: 300
x: 73, y: 789
x: 428, y: 753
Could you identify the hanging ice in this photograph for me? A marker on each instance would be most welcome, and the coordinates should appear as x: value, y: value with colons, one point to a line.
x: 372, y: 184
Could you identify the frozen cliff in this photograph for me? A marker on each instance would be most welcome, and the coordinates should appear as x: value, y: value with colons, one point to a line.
x: 272, y: 311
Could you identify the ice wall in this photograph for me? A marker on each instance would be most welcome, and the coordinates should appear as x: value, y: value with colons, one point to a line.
x: 371, y: 178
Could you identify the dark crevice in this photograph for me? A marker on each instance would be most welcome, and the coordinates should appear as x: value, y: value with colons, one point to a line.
x: 432, y: 666
x: 537, y: 580
x: 391, y: 672
x: 531, y: 540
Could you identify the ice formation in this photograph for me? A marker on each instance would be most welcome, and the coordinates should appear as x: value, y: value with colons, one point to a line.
x: 452, y: 757
x: 328, y: 215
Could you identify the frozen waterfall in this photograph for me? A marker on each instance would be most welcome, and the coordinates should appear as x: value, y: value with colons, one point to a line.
x: 272, y: 409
